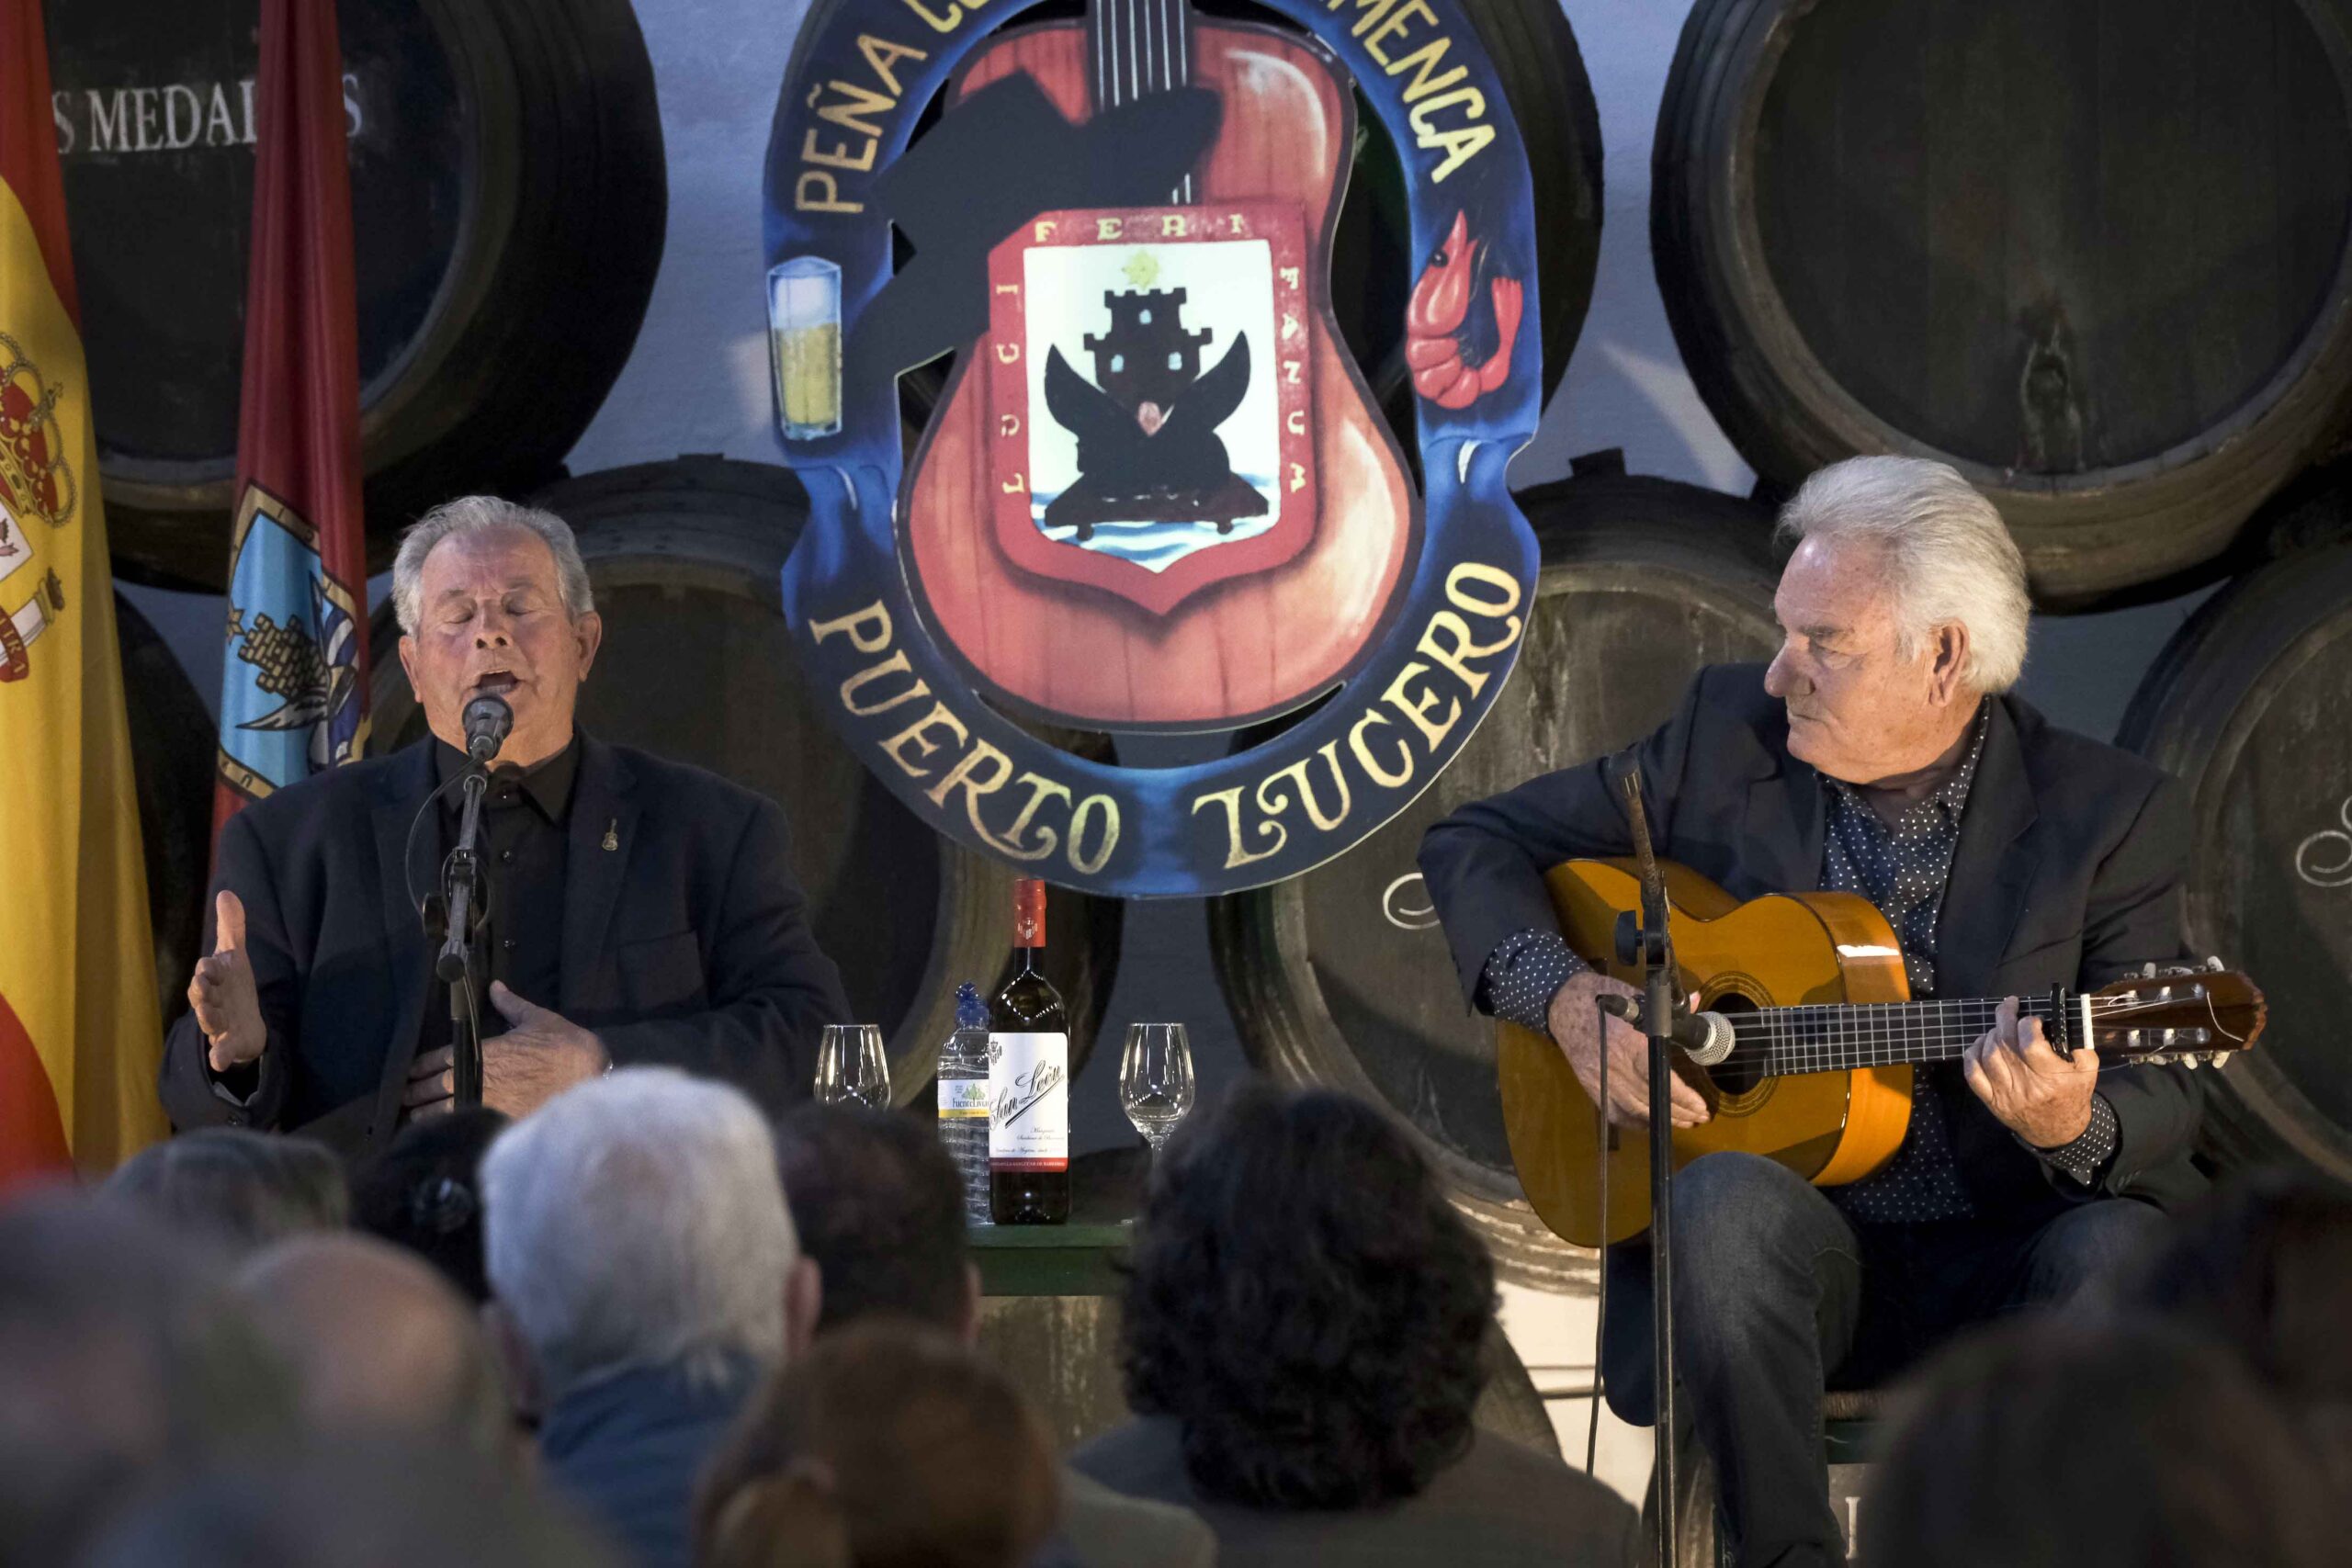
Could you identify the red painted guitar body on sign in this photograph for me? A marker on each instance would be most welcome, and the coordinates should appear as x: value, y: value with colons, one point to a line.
x: 1273, y: 585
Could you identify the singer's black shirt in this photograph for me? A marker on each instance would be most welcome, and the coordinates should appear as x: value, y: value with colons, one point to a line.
x: 523, y: 856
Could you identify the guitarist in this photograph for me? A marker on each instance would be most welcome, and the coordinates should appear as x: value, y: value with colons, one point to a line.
x: 1879, y: 753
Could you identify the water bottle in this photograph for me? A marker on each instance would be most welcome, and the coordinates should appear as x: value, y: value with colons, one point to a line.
x: 963, y: 1099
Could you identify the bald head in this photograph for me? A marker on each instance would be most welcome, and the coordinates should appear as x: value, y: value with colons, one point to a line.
x: 381, y: 1343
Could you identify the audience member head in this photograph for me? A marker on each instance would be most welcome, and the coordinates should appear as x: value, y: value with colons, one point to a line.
x: 350, y: 1505
x: 886, y: 1445
x: 879, y: 1207
x: 423, y: 1193
x: 234, y: 1188
x: 634, y: 1222
x: 1306, y: 1305
x: 2264, y: 1264
x: 120, y: 1351
x: 380, y: 1344
x: 2051, y: 1443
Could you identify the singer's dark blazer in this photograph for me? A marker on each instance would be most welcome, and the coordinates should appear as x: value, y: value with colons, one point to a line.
x: 2067, y: 873
x: 686, y: 943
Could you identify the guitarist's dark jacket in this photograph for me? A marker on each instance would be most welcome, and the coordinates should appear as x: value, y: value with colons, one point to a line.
x: 2067, y: 873
x: 685, y: 942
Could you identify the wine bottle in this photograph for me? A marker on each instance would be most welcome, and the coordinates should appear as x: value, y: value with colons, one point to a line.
x: 1029, y: 1079
x: 964, y: 1100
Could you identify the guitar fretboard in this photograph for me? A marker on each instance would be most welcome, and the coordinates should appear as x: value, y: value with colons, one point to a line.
x: 1138, y: 48
x: 1842, y: 1037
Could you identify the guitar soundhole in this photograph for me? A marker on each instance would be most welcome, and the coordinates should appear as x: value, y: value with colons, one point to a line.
x: 1744, y: 1068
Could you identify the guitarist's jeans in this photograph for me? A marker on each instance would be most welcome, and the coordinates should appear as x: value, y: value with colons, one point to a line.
x: 1778, y: 1294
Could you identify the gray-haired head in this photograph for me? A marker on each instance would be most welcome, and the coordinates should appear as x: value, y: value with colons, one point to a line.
x: 636, y: 1221
x: 481, y: 515
x: 1948, y: 555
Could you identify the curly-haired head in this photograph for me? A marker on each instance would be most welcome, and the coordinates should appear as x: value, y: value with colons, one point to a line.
x: 879, y: 1205
x: 1302, y: 1300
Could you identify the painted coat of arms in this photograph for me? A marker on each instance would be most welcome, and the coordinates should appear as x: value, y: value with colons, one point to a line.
x: 1134, y: 450
x: 1153, y: 492
x: 291, y: 692
x: 36, y: 485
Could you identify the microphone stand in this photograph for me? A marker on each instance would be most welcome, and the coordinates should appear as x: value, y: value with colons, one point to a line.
x: 1650, y: 944
x: 461, y: 892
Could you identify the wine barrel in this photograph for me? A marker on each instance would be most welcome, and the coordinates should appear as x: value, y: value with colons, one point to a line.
x: 172, y: 745
x: 684, y: 557
x: 1342, y: 976
x: 2095, y: 257
x: 2250, y: 705
x: 1374, y: 263
x: 508, y: 205
x: 1063, y: 1353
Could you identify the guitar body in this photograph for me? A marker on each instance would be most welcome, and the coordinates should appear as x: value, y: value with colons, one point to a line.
x: 1788, y: 950
x: 1247, y: 646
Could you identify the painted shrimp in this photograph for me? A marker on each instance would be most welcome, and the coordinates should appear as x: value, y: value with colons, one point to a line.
x: 1435, y: 318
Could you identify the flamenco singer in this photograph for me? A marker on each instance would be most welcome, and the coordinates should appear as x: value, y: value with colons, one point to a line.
x: 638, y: 911
x: 1879, y: 753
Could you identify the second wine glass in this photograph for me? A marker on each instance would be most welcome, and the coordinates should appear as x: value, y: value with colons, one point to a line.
x: 1156, y: 1079
x: 850, y: 1065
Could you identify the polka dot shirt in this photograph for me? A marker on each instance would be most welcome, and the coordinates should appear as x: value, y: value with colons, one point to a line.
x: 1902, y: 867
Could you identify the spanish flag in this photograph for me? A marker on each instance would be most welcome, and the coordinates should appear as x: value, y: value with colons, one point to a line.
x: 80, y: 1033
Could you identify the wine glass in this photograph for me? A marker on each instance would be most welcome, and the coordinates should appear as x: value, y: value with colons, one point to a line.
x: 851, y: 1065
x: 1156, y: 1079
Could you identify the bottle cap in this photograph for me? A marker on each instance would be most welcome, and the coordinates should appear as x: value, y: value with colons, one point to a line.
x: 970, y: 1011
x: 1028, y: 912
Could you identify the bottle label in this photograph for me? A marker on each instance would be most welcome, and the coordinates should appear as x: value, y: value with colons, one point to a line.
x: 1029, y: 1101
x: 963, y: 1099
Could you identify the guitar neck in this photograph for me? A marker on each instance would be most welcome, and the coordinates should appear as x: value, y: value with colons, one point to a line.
x: 1137, y: 48
x: 1843, y: 1037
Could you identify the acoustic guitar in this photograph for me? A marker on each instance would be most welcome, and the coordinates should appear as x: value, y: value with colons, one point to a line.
x: 1245, y: 646
x: 1825, y: 1038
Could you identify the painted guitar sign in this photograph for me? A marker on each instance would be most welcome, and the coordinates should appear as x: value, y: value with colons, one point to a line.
x: 1156, y: 494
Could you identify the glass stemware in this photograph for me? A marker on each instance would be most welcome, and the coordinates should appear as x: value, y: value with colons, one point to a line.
x: 1156, y: 1079
x: 850, y: 1065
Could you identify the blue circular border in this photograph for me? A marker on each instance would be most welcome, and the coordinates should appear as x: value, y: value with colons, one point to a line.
x: 1315, y: 789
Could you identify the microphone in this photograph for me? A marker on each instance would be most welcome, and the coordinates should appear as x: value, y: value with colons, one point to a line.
x: 1707, y: 1038
x: 488, y: 722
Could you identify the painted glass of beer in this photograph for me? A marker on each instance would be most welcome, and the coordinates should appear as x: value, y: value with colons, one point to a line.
x: 805, y: 346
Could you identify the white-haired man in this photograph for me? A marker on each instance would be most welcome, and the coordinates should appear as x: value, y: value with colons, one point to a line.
x: 1879, y: 753
x: 636, y: 911
x: 644, y: 1276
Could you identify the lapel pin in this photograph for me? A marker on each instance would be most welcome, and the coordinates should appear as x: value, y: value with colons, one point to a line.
x: 611, y: 838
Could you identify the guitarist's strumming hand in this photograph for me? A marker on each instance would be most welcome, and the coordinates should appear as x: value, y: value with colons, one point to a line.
x: 2042, y: 1096
x: 1571, y: 1021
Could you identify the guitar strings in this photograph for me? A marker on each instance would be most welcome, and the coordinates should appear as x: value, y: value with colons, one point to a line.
x: 1828, y: 1035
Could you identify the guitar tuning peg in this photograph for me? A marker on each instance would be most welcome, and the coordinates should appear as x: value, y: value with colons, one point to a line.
x: 2213, y: 964
x: 2148, y: 970
x: 2192, y: 1060
x: 2220, y: 1058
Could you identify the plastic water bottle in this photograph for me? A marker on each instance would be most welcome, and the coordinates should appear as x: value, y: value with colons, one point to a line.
x: 963, y: 1099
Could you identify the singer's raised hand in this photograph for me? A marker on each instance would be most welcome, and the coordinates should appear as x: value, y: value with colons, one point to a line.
x: 221, y: 991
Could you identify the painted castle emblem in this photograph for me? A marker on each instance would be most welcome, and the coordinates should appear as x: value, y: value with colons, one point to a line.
x: 1183, y: 456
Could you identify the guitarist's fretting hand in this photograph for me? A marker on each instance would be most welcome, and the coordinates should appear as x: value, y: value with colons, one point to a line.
x: 2042, y: 1096
x: 1572, y: 1018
